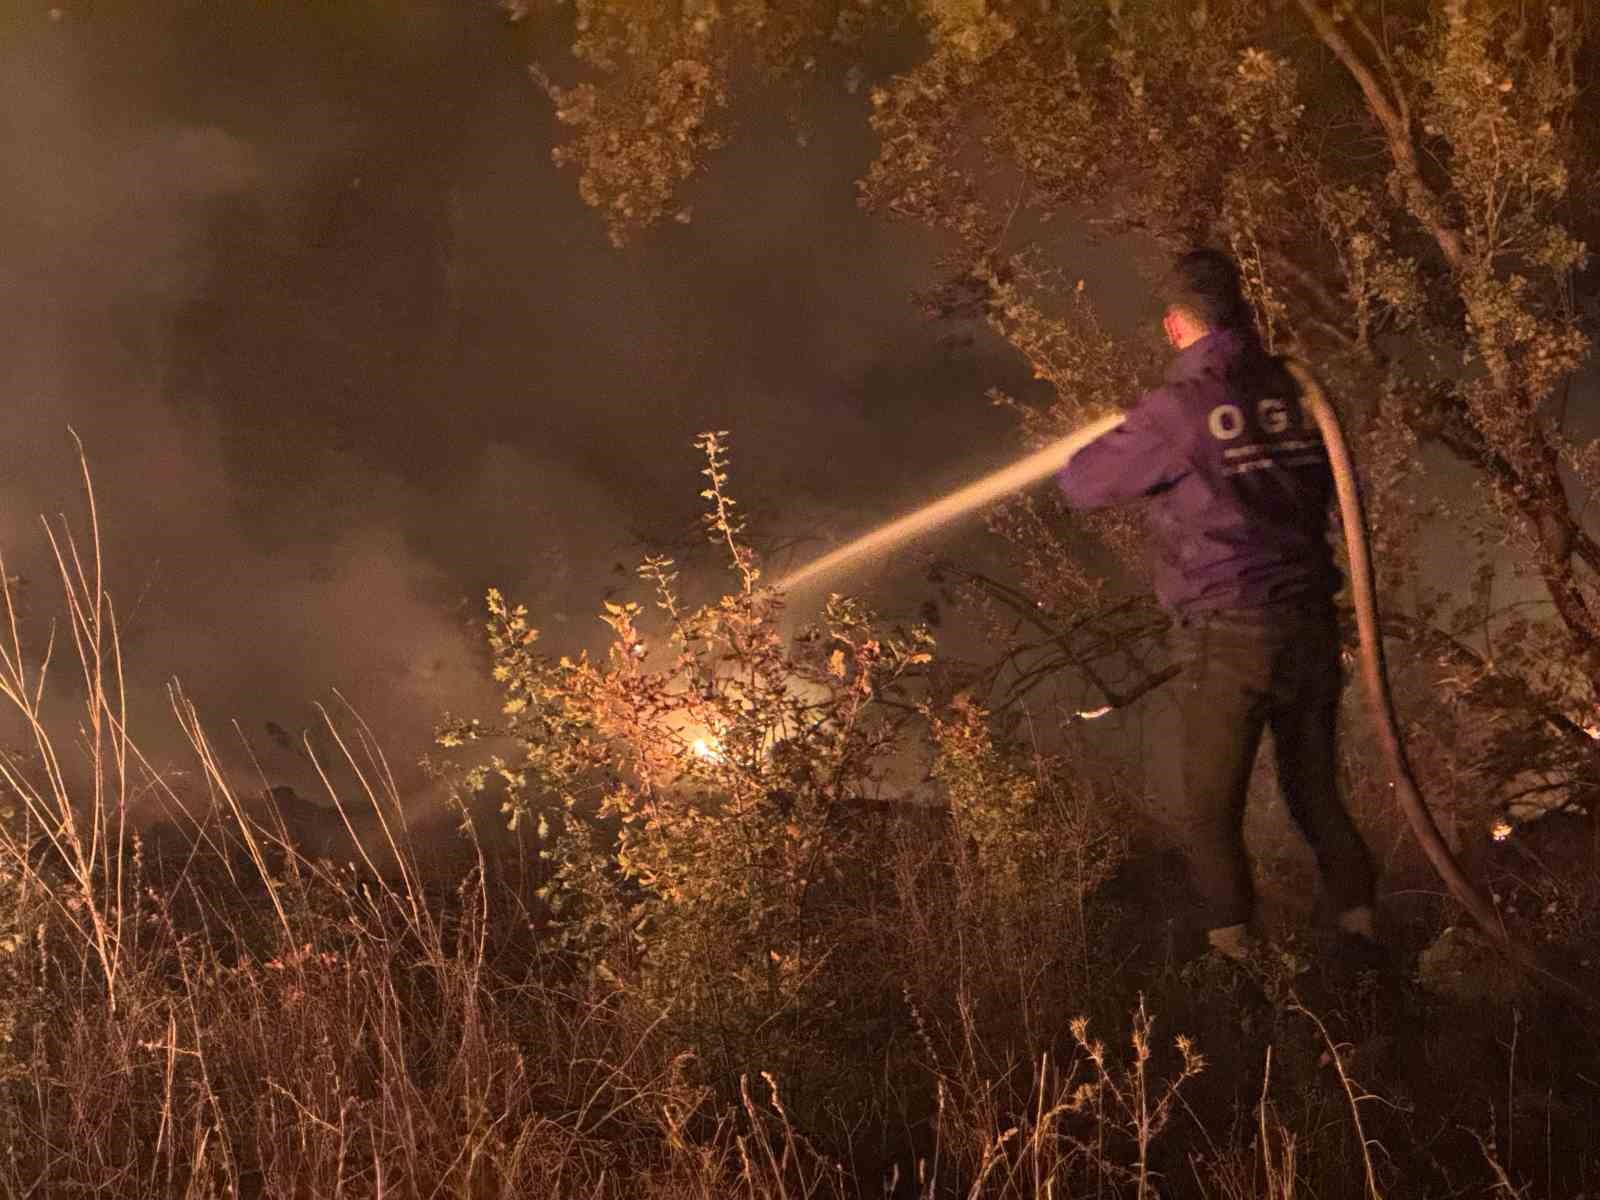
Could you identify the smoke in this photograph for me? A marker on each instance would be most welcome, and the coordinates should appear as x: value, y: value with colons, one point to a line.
x: 344, y: 349
x: 151, y: 305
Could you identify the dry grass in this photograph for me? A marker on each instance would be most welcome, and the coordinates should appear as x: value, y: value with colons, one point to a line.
x: 213, y: 1014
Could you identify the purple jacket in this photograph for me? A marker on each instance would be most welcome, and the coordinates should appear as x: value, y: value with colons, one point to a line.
x: 1237, y: 477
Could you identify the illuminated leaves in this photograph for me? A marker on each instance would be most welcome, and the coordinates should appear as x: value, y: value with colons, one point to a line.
x: 1012, y: 817
x: 634, y: 146
x: 1498, y: 85
x: 1402, y: 187
x: 1383, y: 287
x: 648, y: 114
x: 1262, y: 99
x: 971, y: 29
x: 693, y: 808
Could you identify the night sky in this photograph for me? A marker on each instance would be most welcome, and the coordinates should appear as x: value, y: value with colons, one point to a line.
x: 345, y: 348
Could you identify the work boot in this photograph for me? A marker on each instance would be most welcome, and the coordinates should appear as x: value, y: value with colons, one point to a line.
x: 1358, y: 947
x: 1366, y: 975
x: 1361, y: 921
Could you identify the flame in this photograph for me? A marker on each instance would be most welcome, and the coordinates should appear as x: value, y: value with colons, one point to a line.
x: 1093, y: 714
x: 1500, y: 830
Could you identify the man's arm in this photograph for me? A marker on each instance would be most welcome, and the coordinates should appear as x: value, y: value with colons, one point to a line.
x: 1131, y: 461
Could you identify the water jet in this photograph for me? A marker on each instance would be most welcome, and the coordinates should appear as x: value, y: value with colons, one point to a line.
x: 1374, y: 674
x: 994, y: 486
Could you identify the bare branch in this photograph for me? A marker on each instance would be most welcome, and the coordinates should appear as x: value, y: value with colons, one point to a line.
x: 1391, y: 114
x: 1325, y: 310
x: 1428, y: 639
x: 1063, y: 638
x: 1381, y: 52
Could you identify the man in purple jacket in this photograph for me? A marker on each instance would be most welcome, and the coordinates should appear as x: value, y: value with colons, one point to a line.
x: 1238, y: 486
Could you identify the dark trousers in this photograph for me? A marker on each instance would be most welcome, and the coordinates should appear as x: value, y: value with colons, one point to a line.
x: 1245, y: 670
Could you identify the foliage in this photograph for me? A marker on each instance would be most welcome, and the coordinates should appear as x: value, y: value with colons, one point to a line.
x: 662, y: 76
x: 210, y: 1011
x: 738, y: 830
x: 1409, y: 189
x: 1032, y: 843
x: 700, y: 799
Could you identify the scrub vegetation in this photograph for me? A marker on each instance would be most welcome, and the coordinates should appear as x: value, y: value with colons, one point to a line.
x: 778, y: 903
x: 791, y: 918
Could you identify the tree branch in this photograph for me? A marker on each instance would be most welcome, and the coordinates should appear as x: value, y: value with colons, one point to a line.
x: 1061, y: 637
x: 1328, y: 309
x: 1543, y: 501
x: 1391, y: 115
x: 1435, y: 642
x: 1385, y: 60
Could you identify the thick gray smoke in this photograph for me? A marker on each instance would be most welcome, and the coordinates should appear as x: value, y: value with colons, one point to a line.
x: 344, y: 349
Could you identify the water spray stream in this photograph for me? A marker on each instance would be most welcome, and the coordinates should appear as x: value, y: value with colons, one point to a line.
x: 1374, y: 673
x: 959, y: 503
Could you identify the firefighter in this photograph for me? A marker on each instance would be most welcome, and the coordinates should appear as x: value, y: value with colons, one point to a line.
x: 1239, y: 488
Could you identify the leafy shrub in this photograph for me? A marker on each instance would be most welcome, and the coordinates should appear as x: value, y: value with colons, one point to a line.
x: 700, y: 792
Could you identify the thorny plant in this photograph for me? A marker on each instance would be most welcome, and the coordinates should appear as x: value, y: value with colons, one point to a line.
x: 1087, y: 1123
x: 1130, y: 1099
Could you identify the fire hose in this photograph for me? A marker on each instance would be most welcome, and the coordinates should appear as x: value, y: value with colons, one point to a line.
x: 1374, y: 675
x: 1374, y: 671
x: 1380, y: 700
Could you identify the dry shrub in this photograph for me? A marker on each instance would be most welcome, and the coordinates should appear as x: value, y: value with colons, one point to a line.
x: 235, y: 1019
x: 229, y: 1016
